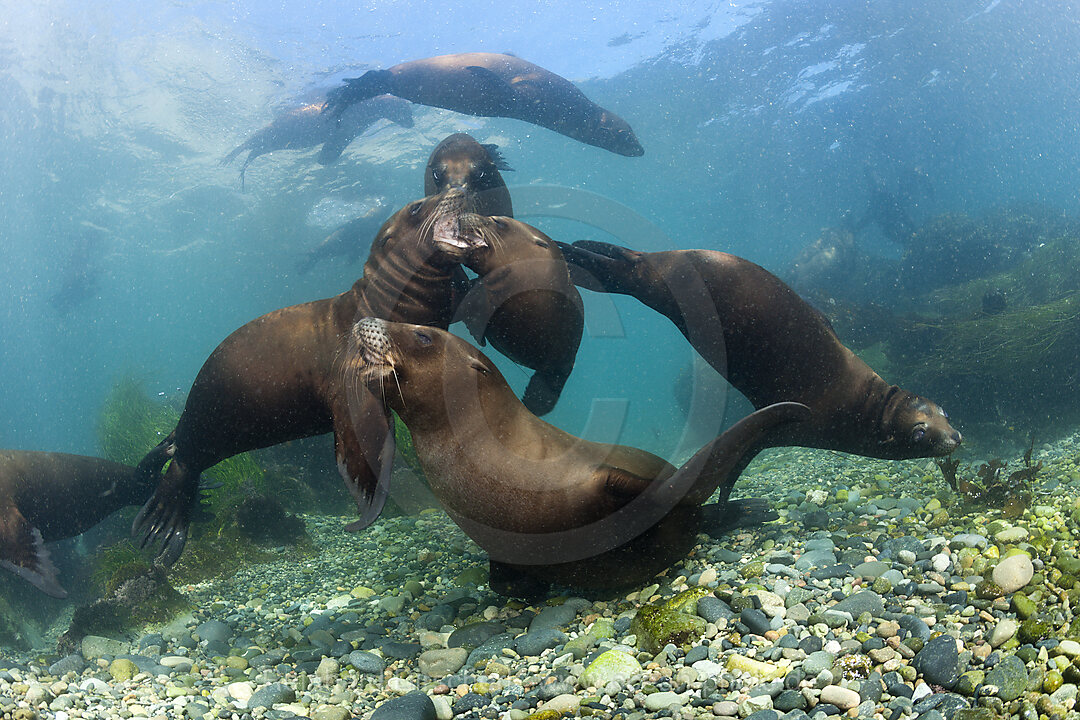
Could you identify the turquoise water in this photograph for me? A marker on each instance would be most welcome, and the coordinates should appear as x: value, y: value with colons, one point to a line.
x: 128, y: 250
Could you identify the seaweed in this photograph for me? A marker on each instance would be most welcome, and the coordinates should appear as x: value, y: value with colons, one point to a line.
x: 403, y: 440
x: 987, y: 487
x: 132, y: 422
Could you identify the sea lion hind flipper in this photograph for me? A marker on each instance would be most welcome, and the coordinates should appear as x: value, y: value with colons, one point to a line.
x: 163, y: 520
x: 365, y: 466
x: 598, y: 266
x: 358, y: 89
x: 496, y: 156
x: 22, y: 551
x: 721, y: 461
x: 720, y: 518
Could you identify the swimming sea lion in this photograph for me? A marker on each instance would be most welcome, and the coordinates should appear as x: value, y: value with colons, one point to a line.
x: 494, y: 85
x: 349, y: 241
x: 307, y: 126
x: 523, y: 302
x: 771, y: 346
x: 276, y: 378
x: 46, y: 496
x: 540, y: 501
x: 525, y: 305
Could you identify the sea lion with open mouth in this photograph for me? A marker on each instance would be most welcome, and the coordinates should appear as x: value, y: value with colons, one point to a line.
x: 544, y: 504
x: 277, y: 378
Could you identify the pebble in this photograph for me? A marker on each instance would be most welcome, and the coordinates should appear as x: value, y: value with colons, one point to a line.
x: 841, y: 697
x: 664, y: 700
x: 413, y: 706
x: 1013, y: 572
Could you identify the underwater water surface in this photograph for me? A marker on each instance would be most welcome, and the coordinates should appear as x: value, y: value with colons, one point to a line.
x: 933, y: 144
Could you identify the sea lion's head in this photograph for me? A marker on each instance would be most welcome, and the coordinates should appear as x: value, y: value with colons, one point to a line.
x: 416, y: 369
x: 611, y: 132
x: 917, y: 427
x: 432, y: 226
x: 461, y: 163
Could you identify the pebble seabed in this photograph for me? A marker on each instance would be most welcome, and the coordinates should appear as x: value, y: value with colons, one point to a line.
x: 869, y: 598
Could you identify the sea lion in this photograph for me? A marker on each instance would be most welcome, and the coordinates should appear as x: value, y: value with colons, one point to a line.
x: 522, y: 301
x: 494, y: 85
x: 349, y: 241
x: 771, y: 345
x: 277, y: 379
x: 525, y: 305
x: 47, y: 496
x: 540, y: 501
x: 307, y: 126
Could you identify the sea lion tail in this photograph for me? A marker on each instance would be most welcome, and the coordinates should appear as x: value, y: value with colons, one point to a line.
x: 365, y: 87
x: 599, y: 266
x: 719, y: 464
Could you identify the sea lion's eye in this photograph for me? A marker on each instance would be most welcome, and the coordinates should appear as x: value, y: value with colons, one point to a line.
x: 482, y: 174
x: 918, y: 433
x: 541, y: 243
x: 479, y: 367
x: 415, y: 207
x: 435, y: 175
x: 499, y: 222
x: 423, y: 337
x: 944, y: 414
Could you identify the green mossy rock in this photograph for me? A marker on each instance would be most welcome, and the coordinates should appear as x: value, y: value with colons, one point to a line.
x: 656, y: 626
x: 611, y: 666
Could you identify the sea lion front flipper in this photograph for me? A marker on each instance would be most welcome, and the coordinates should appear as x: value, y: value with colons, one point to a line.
x: 494, y: 87
x: 364, y: 448
x: 332, y: 148
x: 623, y: 482
x: 719, y: 463
x: 599, y: 266
x: 474, y: 309
x: 543, y: 391
x: 22, y: 551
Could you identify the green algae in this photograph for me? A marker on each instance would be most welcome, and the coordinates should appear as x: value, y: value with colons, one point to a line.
x: 658, y: 625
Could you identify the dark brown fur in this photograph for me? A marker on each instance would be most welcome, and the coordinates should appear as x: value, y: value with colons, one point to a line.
x: 46, y: 496
x: 772, y: 346
x: 494, y: 85
x: 539, y: 500
x: 277, y: 378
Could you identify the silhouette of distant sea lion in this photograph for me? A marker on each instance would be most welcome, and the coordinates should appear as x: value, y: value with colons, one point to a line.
x: 494, y: 85
x: 47, y: 496
x: 307, y: 126
x: 544, y: 504
x: 348, y: 241
x: 277, y: 378
x: 771, y: 346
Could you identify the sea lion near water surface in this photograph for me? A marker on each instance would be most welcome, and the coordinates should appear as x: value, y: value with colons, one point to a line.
x: 522, y: 301
x: 277, y: 378
x: 307, y: 126
x: 545, y: 505
x: 771, y: 345
x: 494, y: 85
x: 47, y: 496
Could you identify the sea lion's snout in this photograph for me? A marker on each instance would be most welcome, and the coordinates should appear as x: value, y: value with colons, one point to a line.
x: 371, y: 348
